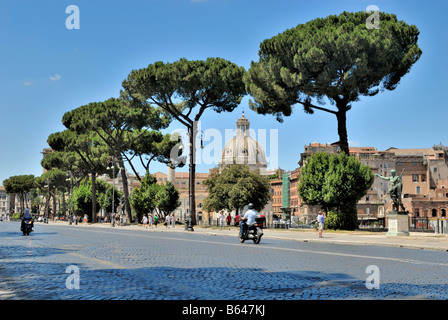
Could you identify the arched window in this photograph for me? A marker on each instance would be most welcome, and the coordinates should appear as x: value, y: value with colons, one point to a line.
x: 434, y: 212
x: 443, y: 213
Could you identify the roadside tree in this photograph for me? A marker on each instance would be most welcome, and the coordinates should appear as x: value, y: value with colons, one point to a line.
x: 331, y: 61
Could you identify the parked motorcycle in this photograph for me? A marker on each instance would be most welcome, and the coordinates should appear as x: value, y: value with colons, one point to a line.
x: 254, y: 231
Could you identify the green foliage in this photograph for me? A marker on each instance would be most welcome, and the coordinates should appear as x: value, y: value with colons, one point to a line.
x: 235, y: 187
x: 150, y: 197
x: 82, y: 197
x: 215, y: 83
x: 183, y: 86
x: 335, y: 58
x: 312, y: 179
x: 332, y: 220
x: 335, y: 182
x: 167, y: 199
x: 19, y: 185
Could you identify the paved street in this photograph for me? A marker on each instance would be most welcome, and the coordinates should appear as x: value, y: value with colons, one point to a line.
x: 132, y: 263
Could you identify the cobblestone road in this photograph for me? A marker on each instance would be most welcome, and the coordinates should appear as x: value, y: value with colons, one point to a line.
x: 122, y: 264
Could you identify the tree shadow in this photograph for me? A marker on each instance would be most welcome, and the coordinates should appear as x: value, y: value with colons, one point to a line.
x: 47, y: 281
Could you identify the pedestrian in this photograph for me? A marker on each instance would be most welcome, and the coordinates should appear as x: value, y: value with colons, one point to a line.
x: 237, y: 220
x: 229, y: 219
x: 156, y: 220
x: 145, y: 221
x: 221, y: 219
x: 321, y: 221
x: 150, y: 220
x: 167, y: 220
x: 173, y: 220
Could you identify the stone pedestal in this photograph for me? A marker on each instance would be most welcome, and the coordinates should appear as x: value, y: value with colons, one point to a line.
x: 398, y: 224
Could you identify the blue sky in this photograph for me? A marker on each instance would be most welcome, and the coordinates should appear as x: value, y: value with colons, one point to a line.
x: 47, y: 69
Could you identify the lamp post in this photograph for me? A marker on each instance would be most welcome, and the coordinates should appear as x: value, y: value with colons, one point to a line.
x: 48, y: 202
x: 113, y: 191
x: 70, y: 210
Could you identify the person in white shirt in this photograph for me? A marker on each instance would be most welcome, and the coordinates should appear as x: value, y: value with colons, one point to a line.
x: 321, y: 221
x: 168, y: 220
x: 249, y: 218
x: 221, y: 219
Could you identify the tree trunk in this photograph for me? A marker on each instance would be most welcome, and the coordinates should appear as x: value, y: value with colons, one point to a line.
x: 93, y: 196
x: 341, y: 116
x: 124, y: 179
x: 192, y: 174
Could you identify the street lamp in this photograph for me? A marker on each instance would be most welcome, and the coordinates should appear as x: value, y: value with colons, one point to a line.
x: 113, y: 191
x: 70, y: 213
x: 48, y: 202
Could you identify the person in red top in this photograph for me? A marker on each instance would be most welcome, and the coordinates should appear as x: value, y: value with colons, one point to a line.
x: 229, y: 219
x: 237, y: 220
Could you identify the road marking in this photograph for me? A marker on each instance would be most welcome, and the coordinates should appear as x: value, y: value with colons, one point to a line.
x: 348, y: 255
x: 100, y: 261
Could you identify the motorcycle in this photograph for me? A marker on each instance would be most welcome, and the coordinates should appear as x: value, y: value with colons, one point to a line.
x: 254, y: 231
x: 27, y: 227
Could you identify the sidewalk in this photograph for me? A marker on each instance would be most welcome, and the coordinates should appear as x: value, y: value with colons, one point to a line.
x: 425, y: 241
x: 416, y: 240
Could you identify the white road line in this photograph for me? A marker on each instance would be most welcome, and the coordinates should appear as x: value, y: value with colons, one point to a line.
x: 290, y: 249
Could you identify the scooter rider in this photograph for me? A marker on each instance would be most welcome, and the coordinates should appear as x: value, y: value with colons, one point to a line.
x: 248, y: 219
x: 27, y: 216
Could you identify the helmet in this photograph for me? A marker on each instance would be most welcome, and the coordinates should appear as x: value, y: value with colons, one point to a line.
x: 250, y: 206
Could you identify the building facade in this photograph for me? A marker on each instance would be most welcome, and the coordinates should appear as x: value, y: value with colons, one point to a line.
x: 5, y: 205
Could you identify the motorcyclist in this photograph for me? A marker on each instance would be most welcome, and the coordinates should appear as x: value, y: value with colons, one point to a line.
x: 248, y: 219
x: 27, y: 216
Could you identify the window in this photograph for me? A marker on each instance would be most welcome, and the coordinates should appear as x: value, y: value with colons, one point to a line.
x: 443, y: 213
x: 415, y: 177
x: 434, y: 212
x: 417, y: 212
x: 417, y: 190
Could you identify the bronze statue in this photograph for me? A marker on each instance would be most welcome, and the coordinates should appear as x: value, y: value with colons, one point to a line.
x: 395, y: 188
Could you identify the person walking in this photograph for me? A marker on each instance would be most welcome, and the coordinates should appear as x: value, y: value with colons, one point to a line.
x: 156, y: 220
x: 145, y: 221
x: 221, y: 220
x: 229, y: 219
x: 167, y: 220
x: 173, y: 220
x: 321, y: 221
x: 150, y: 220
x: 237, y: 220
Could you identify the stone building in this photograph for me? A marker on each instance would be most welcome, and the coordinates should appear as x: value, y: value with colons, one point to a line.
x: 243, y: 149
x: 425, y: 180
x: 5, y: 206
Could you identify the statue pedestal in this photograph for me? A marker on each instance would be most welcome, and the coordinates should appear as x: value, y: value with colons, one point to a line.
x: 398, y: 224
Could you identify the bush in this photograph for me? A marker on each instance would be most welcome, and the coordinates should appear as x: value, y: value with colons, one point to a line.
x: 344, y: 220
x: 332, y: 220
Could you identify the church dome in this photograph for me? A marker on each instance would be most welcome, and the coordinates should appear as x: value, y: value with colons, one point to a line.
x: 243, y: 149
